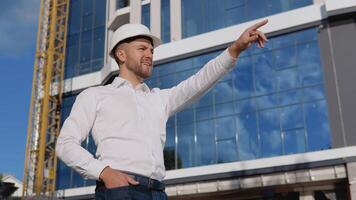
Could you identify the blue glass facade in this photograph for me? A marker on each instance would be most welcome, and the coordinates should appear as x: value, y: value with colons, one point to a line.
x: 145, y: 17
x: 273, y: 103
x: 201, y: 16
x: 122, y: 3
x: 86, y: 37
x: 165, y: 21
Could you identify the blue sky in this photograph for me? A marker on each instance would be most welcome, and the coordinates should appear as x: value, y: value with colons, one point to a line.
x: 18, y: 32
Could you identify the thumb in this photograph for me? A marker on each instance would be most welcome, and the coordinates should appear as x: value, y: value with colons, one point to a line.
x: 131, y: 181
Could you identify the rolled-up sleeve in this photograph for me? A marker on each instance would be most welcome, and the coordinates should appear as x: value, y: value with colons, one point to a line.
x: 195, y: 86
x: 74, y: 130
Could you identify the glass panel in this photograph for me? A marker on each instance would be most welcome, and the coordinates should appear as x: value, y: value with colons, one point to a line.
x: 185, y: 116
x: 77, y: 180
x: 314, y: 93
x: 317, y: 126
x: 245, y: 106
x: 271, y: 141
x: 223, y: 92
x: 167, y: 81
x: 309, y: 63
x: 292, y: 117
x: 267, y: 101
x: 74, y: 16
x: 63, y: 181
x: 246, y: 128
x: 192, y: 18
x: 243, y: 78
x: 201, y: 16
x: 145, y: 20
x: 294, y: 141
x: 84, y: 16
x: 206, y: 100
x: 99, y: 37
x: 264, y: 73
x: 205, y: 143
x: 211, y: 10
x: 165, y: 21
x: 186, y: 145
x: 235, y: 12
x: 100, y: 13
x: 224, y: 109
x: 300, y: 3
x: 257, y: 7
x: 282, y: 54
x: 122, y: 3
x: 225, y: 128
x: 203, y: 113
x: 227, y: 151
x: 288, y: 79
x: 290, y: 97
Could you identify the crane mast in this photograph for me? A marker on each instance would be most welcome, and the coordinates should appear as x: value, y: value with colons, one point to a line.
x: 44, y: 116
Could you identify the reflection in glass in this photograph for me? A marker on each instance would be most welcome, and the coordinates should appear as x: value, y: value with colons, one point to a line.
x: 186, y: 144
x: 205, y: 149
x: 86, y: 37
x: 265, y: 78
x: 201, y: 16
x: 317, y: 125
x: 145, y: 20
x: 294, y: 141
x: 225, y: 128
x: 226, y: 151
x: 271, y: 144
x: 246, y: 128
x: 291, y: 117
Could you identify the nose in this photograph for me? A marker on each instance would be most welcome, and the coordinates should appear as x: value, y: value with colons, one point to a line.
x: 148, y: 53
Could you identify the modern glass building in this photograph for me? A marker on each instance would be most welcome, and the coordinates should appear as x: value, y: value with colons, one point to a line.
x: 280, y: 125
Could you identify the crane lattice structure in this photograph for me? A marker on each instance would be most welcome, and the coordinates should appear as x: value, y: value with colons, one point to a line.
x: 44, y: 119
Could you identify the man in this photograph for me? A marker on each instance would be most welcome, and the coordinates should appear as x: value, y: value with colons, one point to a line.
x: 127, y: 119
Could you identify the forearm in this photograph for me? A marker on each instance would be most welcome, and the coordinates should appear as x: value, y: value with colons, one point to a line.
x: 68, y: 149
x: 195, y: 86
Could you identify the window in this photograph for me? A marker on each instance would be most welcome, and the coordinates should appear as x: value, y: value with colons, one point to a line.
x: 201, y: 16
x: 273, y: 103
x: 86, y: 37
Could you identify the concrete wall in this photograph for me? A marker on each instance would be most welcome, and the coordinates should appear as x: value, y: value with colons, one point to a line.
x: 338, y: 51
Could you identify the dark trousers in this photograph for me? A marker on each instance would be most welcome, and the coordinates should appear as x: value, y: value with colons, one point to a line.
x: 132, y: 192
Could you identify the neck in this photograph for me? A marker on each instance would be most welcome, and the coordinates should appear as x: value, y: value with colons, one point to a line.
x: 129, y: 76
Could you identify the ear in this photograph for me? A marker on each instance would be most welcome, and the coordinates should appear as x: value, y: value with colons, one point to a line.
x: 121, y: 55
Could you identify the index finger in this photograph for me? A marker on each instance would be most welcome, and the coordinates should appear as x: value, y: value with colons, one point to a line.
x: 258, y: 24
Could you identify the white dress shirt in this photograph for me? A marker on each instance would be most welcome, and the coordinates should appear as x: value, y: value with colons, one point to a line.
x: 128, y: 124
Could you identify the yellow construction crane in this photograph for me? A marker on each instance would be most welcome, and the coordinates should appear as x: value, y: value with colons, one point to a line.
x: 44, y: 119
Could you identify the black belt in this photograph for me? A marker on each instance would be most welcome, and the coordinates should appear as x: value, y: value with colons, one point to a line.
x: 144, y: 181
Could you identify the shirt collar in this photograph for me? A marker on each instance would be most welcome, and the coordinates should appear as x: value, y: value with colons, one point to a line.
x: 118, y: 82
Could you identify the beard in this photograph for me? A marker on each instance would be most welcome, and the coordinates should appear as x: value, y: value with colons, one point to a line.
x: 143, y: 69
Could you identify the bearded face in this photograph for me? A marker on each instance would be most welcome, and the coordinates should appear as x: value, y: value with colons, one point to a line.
x: 137, y: 57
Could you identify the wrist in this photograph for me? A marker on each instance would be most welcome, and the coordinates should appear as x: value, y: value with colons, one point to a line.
x: 103, y: 173
x: 234, y: 51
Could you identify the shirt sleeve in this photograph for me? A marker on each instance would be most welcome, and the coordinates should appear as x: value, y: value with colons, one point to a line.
x: 74, y: 130
x: 198, y: 84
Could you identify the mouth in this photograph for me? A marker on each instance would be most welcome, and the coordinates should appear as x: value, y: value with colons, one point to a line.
x: 149, y: 64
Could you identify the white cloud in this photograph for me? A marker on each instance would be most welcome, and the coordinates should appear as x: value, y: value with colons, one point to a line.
x: 18, y: 27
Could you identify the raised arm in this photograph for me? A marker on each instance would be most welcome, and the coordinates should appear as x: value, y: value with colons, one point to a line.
x: 195, y: 86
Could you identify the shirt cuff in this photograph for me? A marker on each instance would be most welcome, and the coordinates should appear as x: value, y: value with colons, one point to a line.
x: 226, y: 60
x: 95, y: 168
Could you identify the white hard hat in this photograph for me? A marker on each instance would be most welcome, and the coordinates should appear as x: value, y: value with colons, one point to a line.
x: 131, y: 30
